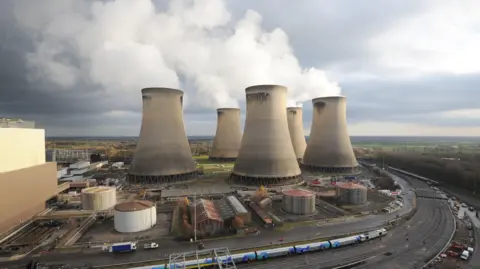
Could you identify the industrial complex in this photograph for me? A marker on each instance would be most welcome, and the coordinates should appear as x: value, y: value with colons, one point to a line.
x: 268, y: 177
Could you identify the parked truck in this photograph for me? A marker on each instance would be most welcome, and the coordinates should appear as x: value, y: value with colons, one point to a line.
x: 150, y: 245
x: 123, y: 247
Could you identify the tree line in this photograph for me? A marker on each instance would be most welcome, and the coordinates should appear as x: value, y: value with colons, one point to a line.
x: 460, y: 170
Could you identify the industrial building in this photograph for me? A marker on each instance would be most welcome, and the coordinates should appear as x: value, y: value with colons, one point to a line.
x: 351, y: 193
x: 266, y: 155
x: 298, y: 202
x: 205, y: 217
x: 134, y: 216
x: 163, y: 153
x: 295, y: 127
x: 329, y: 149
x: 228, y: 136
x: 99, y: 198
x: 26, y: 180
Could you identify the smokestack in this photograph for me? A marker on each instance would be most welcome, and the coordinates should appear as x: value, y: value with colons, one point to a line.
x: 228, y: 137
x: 329, y: 148
x: 266, y: 154
x: 295, y: 127
x: 163, y: 154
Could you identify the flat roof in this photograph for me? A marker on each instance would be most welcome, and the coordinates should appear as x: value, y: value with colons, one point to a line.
x: 98, y: 189
x: 349, y: 185
x: 136, y: 205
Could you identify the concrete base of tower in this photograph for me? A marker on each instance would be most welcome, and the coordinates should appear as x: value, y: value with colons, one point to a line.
x: 140, y: 179
x: 222, y: 159
x: 331, y: 170
x: 265, y: 181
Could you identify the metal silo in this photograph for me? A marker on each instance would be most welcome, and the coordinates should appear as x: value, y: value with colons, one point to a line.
x: 350, y: 193
x: 98, y: 198
x: 298, y: 202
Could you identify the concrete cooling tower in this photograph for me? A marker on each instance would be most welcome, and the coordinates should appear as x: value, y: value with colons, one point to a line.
x: 228, y: 137
x: 295, y: 126
x: 163, y: 154
x: 266, y: 155
x: 329, y: 148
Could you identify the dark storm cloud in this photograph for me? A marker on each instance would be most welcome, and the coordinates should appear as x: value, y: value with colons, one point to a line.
x: 322, y: 35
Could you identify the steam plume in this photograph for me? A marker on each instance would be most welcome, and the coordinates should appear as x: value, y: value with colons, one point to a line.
x: 123, y: 46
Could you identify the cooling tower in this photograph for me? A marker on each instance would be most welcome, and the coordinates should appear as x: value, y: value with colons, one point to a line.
x: 329, y: 148
x: 228, y: 137
x: 266, y: 155
x: 295, y: 126
x: 163, y: 154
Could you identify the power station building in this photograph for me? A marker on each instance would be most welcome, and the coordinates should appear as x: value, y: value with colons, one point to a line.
x: 295, y: 127
x: 26, y: 180
x: 163, y: 153
x: 266, y: 155
x: 329, y: 149
x: 228, y: 136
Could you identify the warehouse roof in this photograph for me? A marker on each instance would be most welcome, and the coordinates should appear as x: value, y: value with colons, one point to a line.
x: 136, y: 205
x: 239, y: 208
x: 205, y: 210
x: 224, y: 209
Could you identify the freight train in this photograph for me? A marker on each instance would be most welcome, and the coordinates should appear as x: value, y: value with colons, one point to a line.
x: 273, y: 252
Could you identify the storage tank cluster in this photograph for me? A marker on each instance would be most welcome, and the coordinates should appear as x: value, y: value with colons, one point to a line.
x: 298, y: 202
x: 351, y: 193
x: 135, y: 216
x: 98, y: 198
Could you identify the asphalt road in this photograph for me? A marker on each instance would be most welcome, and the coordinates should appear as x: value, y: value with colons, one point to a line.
x: 264, y: 238
x: 433, y: 223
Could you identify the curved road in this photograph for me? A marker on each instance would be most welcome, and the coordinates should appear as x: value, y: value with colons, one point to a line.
x: 264, y: 238
x: 433, y: 224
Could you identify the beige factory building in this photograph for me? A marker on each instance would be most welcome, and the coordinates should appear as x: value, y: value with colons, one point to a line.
x: 99, y: 198
x: 26, y: 180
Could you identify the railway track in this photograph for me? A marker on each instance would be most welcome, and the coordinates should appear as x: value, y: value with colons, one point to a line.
x: 419, y: 224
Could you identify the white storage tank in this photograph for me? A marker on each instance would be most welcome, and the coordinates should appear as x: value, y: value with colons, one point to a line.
x: 135, y: 216
x: 99, y: 198
x: 351, y: 193
x: 299, y: 202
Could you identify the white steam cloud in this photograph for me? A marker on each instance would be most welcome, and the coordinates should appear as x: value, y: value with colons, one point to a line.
x: 123, y: 46
x: 293, y: 103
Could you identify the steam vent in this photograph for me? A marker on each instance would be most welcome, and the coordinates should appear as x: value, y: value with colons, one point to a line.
x: 228, y: 137
x: 163, y: 154
x: 329, y: 148
x: 295, y: 126
x: 266, y: 155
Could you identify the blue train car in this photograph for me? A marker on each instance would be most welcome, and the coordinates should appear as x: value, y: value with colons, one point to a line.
x: 275, y: 252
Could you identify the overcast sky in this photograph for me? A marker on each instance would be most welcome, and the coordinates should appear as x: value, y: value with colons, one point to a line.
x: 409, y: 67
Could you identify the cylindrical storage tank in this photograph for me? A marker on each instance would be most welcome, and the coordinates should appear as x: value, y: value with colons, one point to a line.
x: 135, y: 216
x: 266, y: 155
x: 99, y: 198
x: 351, y: 193
x: 299, y: 202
